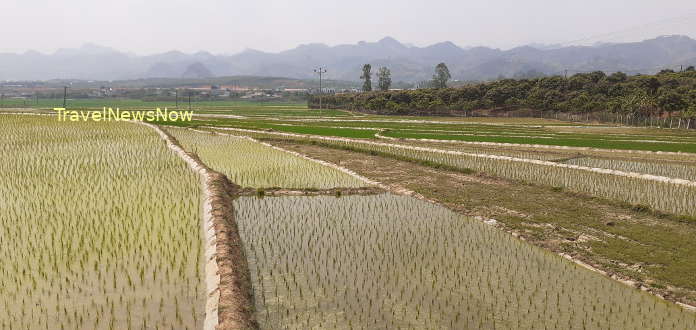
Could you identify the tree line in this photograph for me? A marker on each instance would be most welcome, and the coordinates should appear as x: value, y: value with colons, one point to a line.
x: 440, y: 78
x: 664, y: 94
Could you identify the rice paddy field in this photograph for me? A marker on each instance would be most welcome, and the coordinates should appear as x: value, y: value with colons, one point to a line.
x: 251, y: 164
x: 686, y: 171
x: 99, y: 228
x: 340, y: 262
x: 391, y: 262
x: 628, y: 182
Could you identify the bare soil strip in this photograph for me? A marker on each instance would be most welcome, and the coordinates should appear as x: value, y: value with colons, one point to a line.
x: 309, y: 192
x: 230, y: 302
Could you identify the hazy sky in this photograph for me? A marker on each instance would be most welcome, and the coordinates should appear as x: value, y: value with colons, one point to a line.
x: 226, y: 26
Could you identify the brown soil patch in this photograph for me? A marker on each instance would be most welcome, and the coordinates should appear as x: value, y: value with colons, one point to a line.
x: 236, y: 307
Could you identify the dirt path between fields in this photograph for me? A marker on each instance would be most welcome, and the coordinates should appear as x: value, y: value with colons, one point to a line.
x: 230, y: 300
x: 309, y: 192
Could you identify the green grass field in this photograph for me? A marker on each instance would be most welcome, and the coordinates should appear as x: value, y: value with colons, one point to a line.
x: 298, y: 119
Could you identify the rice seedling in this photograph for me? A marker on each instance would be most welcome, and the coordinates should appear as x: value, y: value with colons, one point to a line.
x: 99, y: 228
x: 392, y: 262
x: 251, y: 164
x: 663, y: 194
x: 659, y: 194
x: 678, y: 171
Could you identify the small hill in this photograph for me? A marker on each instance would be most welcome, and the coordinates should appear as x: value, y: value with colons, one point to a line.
x: 197, y: 71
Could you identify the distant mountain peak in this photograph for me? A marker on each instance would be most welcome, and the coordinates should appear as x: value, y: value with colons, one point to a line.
x: 251, y: 51
x: 203, y: 53
x: 197, y: 70
x: 672, y: 36
x: 445, y: 45
x: 344, y: 61
x: 173, y: 53
x: 389, y: 41
x: 86, y: 49
x: 542, y: 46
x: 92, y: 46
x: 315, y: 45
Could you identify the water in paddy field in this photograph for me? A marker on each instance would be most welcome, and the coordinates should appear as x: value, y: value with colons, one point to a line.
x: 390, y: 262
x: 99, y: 229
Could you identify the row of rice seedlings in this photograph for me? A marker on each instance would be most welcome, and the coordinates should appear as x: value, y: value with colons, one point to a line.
x: 553, y: 155
x: 99, y: 228
x: 656, y: 194
x: 547, y: 155
x: 251, y: 164
x: 536, y: 147
x: 550, y: 153
x: 678, y: 171
x: 522, y: 153
x: 543, y: 132
x: 393, y: 262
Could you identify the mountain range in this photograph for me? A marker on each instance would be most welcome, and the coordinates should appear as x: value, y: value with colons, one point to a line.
x: 344, y: 62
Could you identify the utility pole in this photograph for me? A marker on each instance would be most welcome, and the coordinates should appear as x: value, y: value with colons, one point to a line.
x: 566, y: 74
x: 177, y: 98
x: 189, y: 97
x: 65, y: 96
x: 320, y: 71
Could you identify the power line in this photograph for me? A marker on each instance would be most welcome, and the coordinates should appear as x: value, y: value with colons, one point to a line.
x: 630, y: 29
x: 676, y: 68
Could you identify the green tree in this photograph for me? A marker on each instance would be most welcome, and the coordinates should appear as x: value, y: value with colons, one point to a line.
x: 384, y: 78
x: 650, y: 84
x: 690, y: 112
x: 639, y: 103
x: 671, y: 102
x: 635, y: 95
x: 442, y: 75
x: 617, y: 77
x: 367, y: 77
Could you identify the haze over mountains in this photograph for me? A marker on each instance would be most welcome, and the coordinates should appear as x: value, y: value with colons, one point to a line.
x: 344, y: 62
